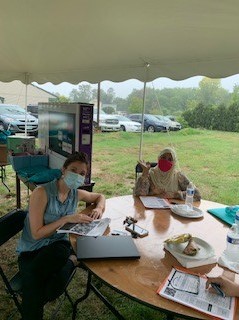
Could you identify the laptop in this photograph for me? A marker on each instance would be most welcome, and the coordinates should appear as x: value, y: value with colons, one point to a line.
x: 154, y: 202
x: 106, y: 247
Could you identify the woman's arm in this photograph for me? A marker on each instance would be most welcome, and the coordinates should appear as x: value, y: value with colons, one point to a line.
x: 142, y: 185
x: 96, y: 198
x: 183, y: 182
x: 37, y: 207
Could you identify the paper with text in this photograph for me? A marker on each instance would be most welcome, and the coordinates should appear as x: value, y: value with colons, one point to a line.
x: 190, y: 290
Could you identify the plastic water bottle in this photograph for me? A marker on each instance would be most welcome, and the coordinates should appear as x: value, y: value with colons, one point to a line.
x: 232, y: 249
x: 189, y: 195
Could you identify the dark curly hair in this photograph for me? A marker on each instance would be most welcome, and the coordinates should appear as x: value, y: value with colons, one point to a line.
x: 76, y: 156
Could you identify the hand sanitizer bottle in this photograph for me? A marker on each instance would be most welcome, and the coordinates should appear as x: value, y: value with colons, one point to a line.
x: 189, y: 195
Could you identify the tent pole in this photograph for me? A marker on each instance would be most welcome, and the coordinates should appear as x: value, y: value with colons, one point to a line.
x: 26, y: 87
x: 143, y: 111
x: 98, y: 105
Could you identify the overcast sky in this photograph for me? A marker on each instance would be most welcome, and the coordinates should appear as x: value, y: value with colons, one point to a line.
x: 123, y: 89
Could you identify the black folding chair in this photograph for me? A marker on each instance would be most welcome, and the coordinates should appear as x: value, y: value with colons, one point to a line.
x: 138, y: 168
x: 10, y: 225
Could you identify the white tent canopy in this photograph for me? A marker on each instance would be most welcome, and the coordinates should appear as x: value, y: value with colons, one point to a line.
x: 95, y: 40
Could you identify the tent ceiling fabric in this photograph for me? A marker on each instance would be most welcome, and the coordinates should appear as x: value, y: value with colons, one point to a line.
x: 95, y: 40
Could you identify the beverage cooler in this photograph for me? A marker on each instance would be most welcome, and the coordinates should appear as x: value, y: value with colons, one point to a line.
x: 63, y: 129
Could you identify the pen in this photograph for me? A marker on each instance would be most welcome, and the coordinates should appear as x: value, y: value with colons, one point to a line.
x: 217, y: 288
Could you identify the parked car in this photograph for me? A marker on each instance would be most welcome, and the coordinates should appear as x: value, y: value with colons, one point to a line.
x: 33, y: 109
x: 166, y: 122
x: 107, y: 122
x: 151, y: 123
x: 14, y: 117
x: 174, y: 126
x: 128, y: 125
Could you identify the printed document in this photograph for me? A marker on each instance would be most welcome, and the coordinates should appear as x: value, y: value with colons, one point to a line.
x: 190, y: 289
x: 95, y: 228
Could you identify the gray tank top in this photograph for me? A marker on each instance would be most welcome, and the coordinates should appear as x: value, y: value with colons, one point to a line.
x: 54, y: 211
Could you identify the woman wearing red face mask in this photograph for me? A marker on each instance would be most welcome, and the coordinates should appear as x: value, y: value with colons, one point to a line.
x: 164, y: 180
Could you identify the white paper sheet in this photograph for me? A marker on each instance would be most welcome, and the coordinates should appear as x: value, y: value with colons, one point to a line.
x: 190, y: 290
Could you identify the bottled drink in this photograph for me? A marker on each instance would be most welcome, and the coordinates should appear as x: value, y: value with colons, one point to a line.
x: 189, y: 195
x: 232, y: 249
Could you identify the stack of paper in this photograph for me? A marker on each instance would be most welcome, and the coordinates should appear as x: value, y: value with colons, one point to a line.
x: 189, y: 262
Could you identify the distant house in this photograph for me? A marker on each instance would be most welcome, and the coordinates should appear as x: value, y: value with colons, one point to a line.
x: 15, y: 92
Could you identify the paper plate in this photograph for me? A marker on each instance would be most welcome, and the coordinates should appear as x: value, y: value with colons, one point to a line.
x: 206, y: 250
x: 183, y: 211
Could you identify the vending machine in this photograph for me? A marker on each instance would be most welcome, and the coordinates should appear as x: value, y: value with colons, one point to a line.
x: 64, y: 128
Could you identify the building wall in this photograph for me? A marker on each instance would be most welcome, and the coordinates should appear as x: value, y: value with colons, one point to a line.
x: 15, y: 92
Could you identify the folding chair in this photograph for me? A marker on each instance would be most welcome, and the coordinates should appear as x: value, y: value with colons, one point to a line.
x: 10, y: 225
x: 138, y: 168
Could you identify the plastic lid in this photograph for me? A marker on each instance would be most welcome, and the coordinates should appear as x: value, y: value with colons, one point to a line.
x: 191, y: 186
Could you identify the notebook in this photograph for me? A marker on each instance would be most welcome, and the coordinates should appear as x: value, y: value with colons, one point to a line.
x: 106, y: 247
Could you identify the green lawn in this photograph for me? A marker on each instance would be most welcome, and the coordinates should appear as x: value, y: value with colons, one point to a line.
x: 209, y: 158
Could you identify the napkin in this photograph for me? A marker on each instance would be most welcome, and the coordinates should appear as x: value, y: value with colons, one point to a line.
x: 191, y: 263
x: 224, y: 262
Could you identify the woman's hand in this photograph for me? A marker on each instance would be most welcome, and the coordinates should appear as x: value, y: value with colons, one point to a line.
x: 96, y: 213
x: 77, y: 218
x: 229, y: 287
x: 165, y: 194
x: 145, y: 167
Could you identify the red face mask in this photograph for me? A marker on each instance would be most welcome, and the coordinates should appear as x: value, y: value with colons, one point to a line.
x: 164, y: 165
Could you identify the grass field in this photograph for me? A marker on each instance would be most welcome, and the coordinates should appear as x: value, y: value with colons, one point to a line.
x: 208, y: 158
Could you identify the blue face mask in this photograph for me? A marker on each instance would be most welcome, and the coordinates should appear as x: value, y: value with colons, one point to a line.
x: 73, y: 180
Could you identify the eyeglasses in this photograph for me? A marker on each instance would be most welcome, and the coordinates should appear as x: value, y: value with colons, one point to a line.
x: 189, y: 284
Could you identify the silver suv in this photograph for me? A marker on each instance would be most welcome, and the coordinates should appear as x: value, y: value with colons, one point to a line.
x: 14, y: 118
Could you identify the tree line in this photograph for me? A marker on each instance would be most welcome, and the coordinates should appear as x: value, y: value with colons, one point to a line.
x: 209, y: 106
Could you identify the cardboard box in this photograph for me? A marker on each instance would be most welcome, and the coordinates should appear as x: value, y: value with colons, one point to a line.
x: 3, y: 153
x: 20, y: 144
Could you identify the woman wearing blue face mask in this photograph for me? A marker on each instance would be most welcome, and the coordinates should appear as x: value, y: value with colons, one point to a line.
x: 165, y: 179
x: 44, y: 254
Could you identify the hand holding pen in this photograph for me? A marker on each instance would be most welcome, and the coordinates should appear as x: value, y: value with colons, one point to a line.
x: 223, y: 286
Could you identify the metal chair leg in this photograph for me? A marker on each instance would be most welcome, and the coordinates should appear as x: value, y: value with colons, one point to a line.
x: 85, y: 295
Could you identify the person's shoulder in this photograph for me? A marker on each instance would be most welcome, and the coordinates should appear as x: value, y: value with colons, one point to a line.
x: 39, y: 190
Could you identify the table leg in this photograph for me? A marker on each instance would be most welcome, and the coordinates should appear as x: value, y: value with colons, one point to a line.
x: 90, y: 287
